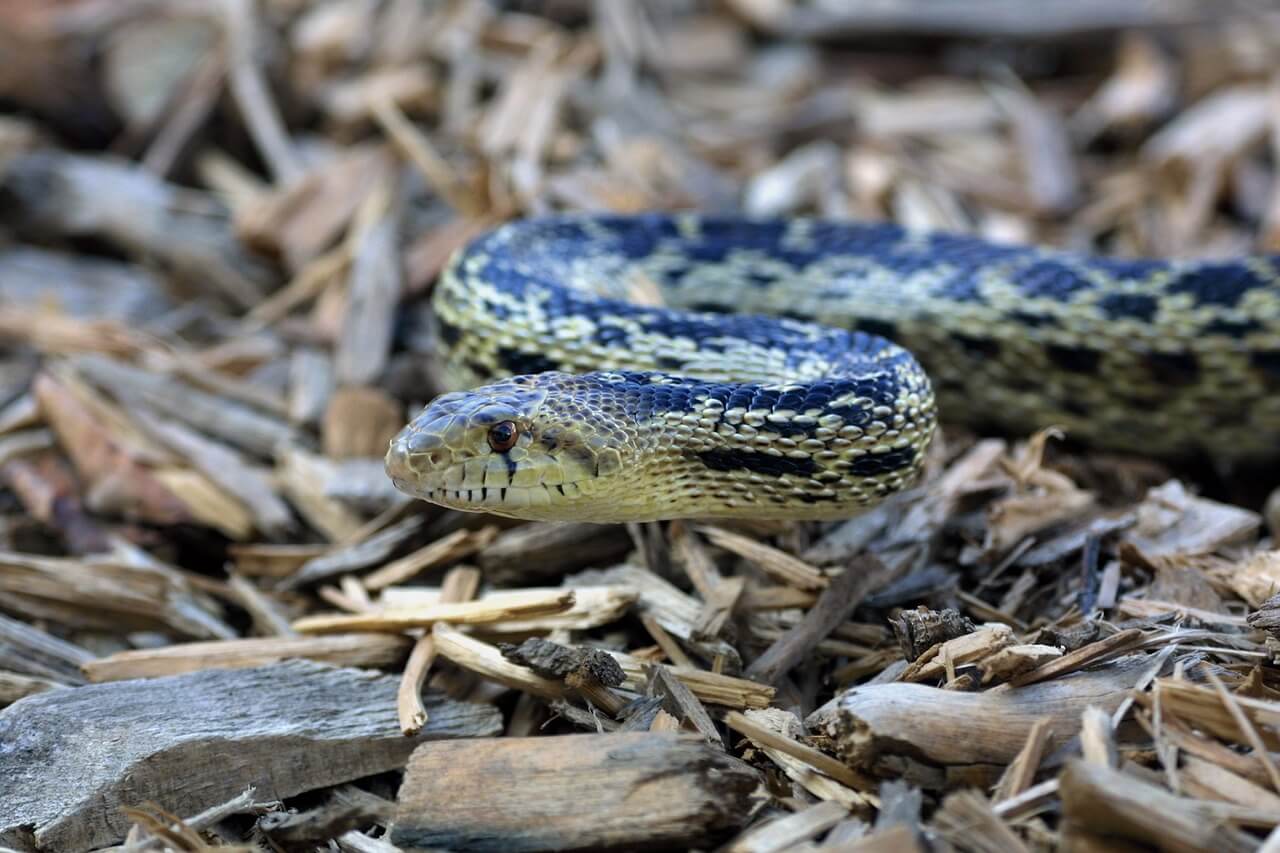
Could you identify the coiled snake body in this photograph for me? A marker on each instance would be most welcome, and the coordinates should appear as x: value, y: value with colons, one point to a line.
x: 697, y: 404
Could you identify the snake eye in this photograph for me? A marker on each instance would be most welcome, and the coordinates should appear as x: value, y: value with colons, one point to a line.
x: 502, y: 436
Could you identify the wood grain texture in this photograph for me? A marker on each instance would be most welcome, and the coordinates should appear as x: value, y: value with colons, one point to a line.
x: 576, y: 792
x: 69, y: 759
x: 950, y: 727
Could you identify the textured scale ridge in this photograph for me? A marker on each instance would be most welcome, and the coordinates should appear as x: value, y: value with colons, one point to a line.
x: 674, y: 365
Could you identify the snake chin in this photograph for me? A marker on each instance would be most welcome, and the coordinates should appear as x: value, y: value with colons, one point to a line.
x: 568, y: 458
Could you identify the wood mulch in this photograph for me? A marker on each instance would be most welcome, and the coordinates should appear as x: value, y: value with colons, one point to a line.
x: 222, y: 628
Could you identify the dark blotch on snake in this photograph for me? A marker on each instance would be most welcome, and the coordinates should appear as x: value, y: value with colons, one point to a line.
x: 517, y: 362
x: 1172, y: 368
x: 1074, y: 359
x: 1217, y: 284
x: 882, y: 463
x: 760, y: 463
x: 1129, y: 306
x: 1267, y: 361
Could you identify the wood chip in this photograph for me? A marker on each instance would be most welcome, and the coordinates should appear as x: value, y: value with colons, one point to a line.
x: 518, y: 794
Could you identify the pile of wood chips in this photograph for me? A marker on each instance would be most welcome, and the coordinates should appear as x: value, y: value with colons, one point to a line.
x: 221, y: 626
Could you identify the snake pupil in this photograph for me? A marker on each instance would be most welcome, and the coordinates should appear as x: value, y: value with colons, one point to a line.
x: 502, y: 436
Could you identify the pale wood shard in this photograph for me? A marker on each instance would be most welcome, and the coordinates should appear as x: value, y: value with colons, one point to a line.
x: 767, y: 737
x: 117, y: 477
x: 778, y: 564
x: 359, y: 422
x: 109, y: 592
x: 672, y: 610
x: 574, y: 792
x: 940, y: 660
x: 299, y: 221
x: 81, y: 753
x: 790, y: 832
x: 1101, y: 803
x: 1097, y: 740
x: 678, y: 701
x: 447, y: 549
x: 1173, y: 521
x: 719, y: 608
x: 710, y: 687
x: 976, y: 18
x: 189, y: 230
x: 374, y: 291
x: 593, y: 607
x: 358, y: 553
x: 266, y: 611
x: 28, y: 650
x: 229, y: 471
x: 488, y: 662
x: 459, y: 585
x: 967, y: 820
x: 517, y: 606
x: 1021, y: 771
x: 1113, y: 646
x: 240, y: 425
x: 950, y: 727
x: 372, y: 651
x: 834, y: 605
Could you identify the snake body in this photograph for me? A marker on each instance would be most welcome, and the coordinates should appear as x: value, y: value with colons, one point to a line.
x: 754, y: 376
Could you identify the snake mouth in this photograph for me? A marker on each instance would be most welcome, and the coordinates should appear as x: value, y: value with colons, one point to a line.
x: 517, y: 502
x: 418, y: 473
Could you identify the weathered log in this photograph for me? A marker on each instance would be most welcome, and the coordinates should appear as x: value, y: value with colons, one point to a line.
x: 949, y: 727
x: 633, y: 790
x: 72, y: 758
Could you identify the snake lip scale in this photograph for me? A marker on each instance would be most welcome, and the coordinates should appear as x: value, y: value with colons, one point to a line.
x: 776, y: 373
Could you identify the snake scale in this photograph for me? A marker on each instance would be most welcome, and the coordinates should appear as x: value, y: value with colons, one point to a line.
x: 755, y: 377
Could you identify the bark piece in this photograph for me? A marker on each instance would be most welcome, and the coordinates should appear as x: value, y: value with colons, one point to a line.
x: 592, y: 672
x: 918, y: 630
x: 574, y: 792
x: 189, y: 742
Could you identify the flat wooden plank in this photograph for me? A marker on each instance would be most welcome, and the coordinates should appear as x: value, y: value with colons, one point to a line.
x: 71, y: 758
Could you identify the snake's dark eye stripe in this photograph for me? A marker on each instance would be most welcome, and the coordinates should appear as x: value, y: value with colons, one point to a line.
x: 502, y: 436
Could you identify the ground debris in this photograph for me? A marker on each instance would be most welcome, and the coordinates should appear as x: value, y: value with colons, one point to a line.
x: 219, y: 235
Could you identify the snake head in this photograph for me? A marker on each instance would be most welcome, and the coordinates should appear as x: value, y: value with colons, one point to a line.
x: 543, y: 447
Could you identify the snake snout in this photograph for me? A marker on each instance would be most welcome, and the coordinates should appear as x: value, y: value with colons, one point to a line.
x: 413, y: 452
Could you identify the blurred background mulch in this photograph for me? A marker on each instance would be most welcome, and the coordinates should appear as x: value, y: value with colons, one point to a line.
x: 219, y: 223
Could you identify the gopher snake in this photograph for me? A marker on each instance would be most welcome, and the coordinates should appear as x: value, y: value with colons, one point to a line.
x: 702, y: 407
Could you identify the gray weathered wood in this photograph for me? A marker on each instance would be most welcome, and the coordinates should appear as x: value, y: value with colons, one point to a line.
x: 950, y: 727
x: 69, y: 759
x: 634, y: 790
